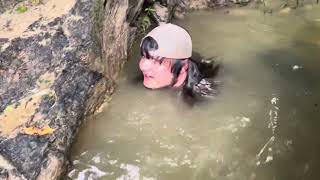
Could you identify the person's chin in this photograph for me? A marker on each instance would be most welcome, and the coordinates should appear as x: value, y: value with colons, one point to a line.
x: 151, y: 84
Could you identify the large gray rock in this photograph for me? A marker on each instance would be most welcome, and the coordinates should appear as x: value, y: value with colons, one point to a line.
x: 7, y: 4
x: 54, y: 73
x: 115, y: 37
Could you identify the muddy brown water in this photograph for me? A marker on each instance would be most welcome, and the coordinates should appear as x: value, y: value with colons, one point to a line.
x: 264, y: 124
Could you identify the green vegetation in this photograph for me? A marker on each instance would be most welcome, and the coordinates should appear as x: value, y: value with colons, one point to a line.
x: 149, y: 10
x: 143, y: 23
x: 21, y: 8
x: 8, y: 109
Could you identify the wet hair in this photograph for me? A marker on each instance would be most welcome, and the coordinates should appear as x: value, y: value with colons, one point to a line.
x: 148, y: 44
x: 195, y: 83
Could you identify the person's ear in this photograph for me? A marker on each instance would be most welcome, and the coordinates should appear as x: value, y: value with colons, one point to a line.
x: 182, y: 75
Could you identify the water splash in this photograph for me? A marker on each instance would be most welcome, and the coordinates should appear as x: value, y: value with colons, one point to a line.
x: 133, y: 172
x: 273, y: 122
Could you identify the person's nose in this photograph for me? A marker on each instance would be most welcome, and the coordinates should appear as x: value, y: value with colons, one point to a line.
x: 145, y: 64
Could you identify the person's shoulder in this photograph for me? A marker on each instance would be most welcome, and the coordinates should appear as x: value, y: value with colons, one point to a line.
x: 208, y: 66
x: 207, y: 87
x: 210, y: 69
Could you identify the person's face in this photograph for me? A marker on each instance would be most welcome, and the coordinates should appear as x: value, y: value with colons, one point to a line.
x: 156, y: 72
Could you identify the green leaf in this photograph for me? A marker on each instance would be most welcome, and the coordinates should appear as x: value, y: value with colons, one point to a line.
x: 21, y: 8
x: 146, y: 20
x: 150, y: 10
x: 143, y: 23
x: 8, y: 109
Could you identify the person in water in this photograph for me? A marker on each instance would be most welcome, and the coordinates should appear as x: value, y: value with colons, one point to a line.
x: 166, y: 61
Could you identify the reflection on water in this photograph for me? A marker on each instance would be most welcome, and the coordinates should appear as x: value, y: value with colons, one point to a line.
x: 263, y: 125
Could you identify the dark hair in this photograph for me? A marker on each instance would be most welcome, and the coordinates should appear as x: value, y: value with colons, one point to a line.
x: 196, y: 64
x: 148, y: 44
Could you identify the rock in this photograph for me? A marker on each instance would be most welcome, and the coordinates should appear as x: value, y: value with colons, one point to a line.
x: 7, y: 4
x: 286, y: 10
x: 181, y: 3
x: 240, y: 1
x: 198, y: 4
x: 135, y: 8
x: 54, y: 71
x: 188, y: 4
x: 179, y: 13
x: 219, y: 3
x: 53, y: 168
x: 162, y: 13
x: 115, y: 32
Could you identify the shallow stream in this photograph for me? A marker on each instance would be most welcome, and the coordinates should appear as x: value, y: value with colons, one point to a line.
x: 263, y: 125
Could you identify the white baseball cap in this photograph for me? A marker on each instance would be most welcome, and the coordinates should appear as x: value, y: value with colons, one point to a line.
x: 173, y: 41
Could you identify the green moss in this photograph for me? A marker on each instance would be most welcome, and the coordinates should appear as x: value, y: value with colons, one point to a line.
x: 21, y: 8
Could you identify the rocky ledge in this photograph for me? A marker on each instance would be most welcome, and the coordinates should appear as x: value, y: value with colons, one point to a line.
x: 49, y: 82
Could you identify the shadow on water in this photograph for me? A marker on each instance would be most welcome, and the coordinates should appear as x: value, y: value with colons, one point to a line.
x: 298, y: 67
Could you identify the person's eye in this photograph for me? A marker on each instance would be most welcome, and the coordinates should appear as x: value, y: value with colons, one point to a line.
x: 150, y: 58
x: 144, y: 57
x: 153, y: 58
